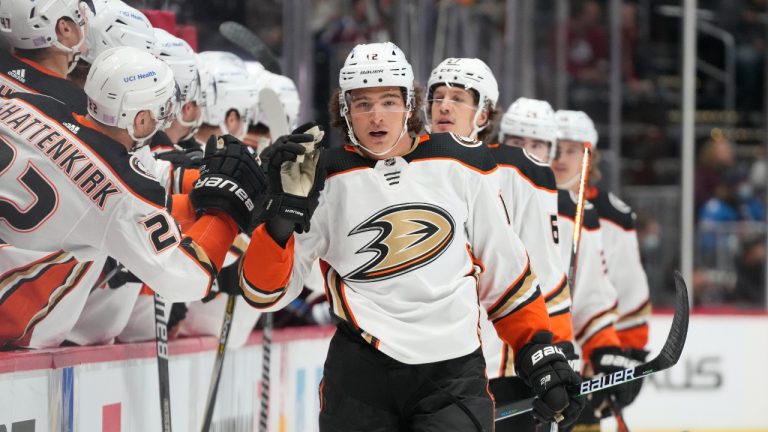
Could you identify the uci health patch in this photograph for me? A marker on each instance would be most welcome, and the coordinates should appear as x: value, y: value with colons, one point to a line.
x: 140, y: 76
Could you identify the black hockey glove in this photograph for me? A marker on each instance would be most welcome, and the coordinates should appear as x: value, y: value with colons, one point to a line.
x: 570, y: 354
x: 231, y: 181
x: 544, y: 367
x: 607, y: 360
x: 189, y: 158
x: 295, y: 165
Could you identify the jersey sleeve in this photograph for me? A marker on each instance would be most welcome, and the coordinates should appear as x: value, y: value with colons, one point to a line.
x: 535, y: 220
x: 147, y: 240
x: 508, y: 288
x: 272, y: 276
x: 625, y: 270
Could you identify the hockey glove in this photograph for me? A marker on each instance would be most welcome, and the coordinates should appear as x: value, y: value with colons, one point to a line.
x: 231, y: 181
x: 570, y: 354
x: 189, y: 158
x: 544, y: 367
x: 606, y: 360
x: 295, y: 165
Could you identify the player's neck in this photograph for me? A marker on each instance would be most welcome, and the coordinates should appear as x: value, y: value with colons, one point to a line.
x: 176, y: 131
x: 56, y: 61
x: 206, y: 131
x: 115, y: 133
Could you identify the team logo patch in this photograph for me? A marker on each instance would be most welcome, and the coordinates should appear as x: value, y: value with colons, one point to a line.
x: 409, y: 236
x: 140, y: 169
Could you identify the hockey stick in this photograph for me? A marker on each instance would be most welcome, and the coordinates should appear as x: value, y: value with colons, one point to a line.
x: 668, y: 356
x: 578, y: 219
x: 161, y: 334
x: 272, y: 107
x: 218, y: 363
x: 266, y: 360
x: 246, y: 40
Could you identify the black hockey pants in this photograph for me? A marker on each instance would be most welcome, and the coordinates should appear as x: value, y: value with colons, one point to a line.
x: 365, y: 390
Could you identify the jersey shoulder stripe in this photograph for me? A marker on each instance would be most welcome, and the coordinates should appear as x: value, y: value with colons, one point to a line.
x: 566, y: 207
x: 127, y: 168
x: 538, y: 173
x: 449, y: 146
x: 345, y: 159
x: 610, y: 207
x: 37, y: 79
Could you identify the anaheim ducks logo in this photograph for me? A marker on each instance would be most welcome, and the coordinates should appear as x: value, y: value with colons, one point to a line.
x: 410, y: 236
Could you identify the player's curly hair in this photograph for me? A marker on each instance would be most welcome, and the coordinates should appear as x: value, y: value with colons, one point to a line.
x: 488, y: 135
x: 415, y: 123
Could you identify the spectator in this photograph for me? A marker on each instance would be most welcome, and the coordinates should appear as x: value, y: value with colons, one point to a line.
x: 715, y: 157
x: 587, y: 44
x: 750, y: 274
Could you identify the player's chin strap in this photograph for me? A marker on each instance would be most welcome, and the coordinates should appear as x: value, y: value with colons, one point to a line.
x: 74, y: 50
x: 141, y: 142
x: 354, y: 140
x: 193, y: 126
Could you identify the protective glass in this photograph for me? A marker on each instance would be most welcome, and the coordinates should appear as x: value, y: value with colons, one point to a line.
x: 366, y: 106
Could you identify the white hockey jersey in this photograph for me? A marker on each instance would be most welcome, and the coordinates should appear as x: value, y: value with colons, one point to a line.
x: 528, y: 192
x: 625, y: 270
x: 594, y: 297
x: 411, y: 250
x: 74, y: 189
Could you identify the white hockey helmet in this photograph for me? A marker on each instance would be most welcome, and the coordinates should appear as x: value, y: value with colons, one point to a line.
x: 530, y: 118
x: 288, y: 94
x: 228, y: 88
x: 124, y: 81
x: 182, y: 60
x: 116, y: 24
x: 376, y: 65
x: 575, y: 126
x: 31, y: 24
x: 471, y: 74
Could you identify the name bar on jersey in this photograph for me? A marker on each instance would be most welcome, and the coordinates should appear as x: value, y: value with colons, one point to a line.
x: 53, y: 141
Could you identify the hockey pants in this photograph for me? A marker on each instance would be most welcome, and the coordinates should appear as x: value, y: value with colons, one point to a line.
x: 366, y: 390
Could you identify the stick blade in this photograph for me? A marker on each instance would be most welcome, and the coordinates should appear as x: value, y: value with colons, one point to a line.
x: 673, y: 347
x: 272, y: 108
x: 246, y: 40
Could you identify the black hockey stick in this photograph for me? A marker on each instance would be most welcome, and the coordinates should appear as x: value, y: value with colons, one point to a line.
x: 266, y: 360
x: 161, y: 335
x: 247, y: 40
x: 668, y: 357
x: 213, y: 388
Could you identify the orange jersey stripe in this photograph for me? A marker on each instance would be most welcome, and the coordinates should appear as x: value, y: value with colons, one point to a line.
x: 182, y: 211
x: 214, y: 234
x: 634, y: 337
x: 517, y: 328
x: 562, y: 327
x: 267, y: 265
x: 604, y: 337
x: 188, y: 179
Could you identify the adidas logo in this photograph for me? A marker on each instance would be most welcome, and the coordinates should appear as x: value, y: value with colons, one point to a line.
x: 18, y: 74
x: 74, y: 129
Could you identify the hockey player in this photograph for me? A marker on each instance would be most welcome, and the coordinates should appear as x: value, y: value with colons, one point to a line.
x: 46, y: 37
x: 259, y: 135
x: 83, y: 193
x: 462, y: 96
x: 620, y: 252
x: 406, y: 231
x: 230, y: 97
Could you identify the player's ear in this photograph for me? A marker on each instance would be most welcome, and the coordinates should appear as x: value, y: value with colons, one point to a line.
x: 65, y: 30
x: 483, y: 119
x: 143, y: 123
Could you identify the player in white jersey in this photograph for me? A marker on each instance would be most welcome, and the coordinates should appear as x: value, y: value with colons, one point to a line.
x: 462, y: 96
x: 70, y: 184
x: 46, y: 38
x: 609, y: 226
x: 406, y: 228
x: 231, y: 96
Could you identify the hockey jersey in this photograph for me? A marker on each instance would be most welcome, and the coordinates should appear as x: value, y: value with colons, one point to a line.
x: 528, y: 193
x: 594, y: 297
x: 48, y: 286
x: 625, y: 270
x: 411, y: 250
x: 25, y: 76
x: 67, y: 186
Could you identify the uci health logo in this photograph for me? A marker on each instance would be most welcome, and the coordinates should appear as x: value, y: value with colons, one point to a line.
x: 140, y: 76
